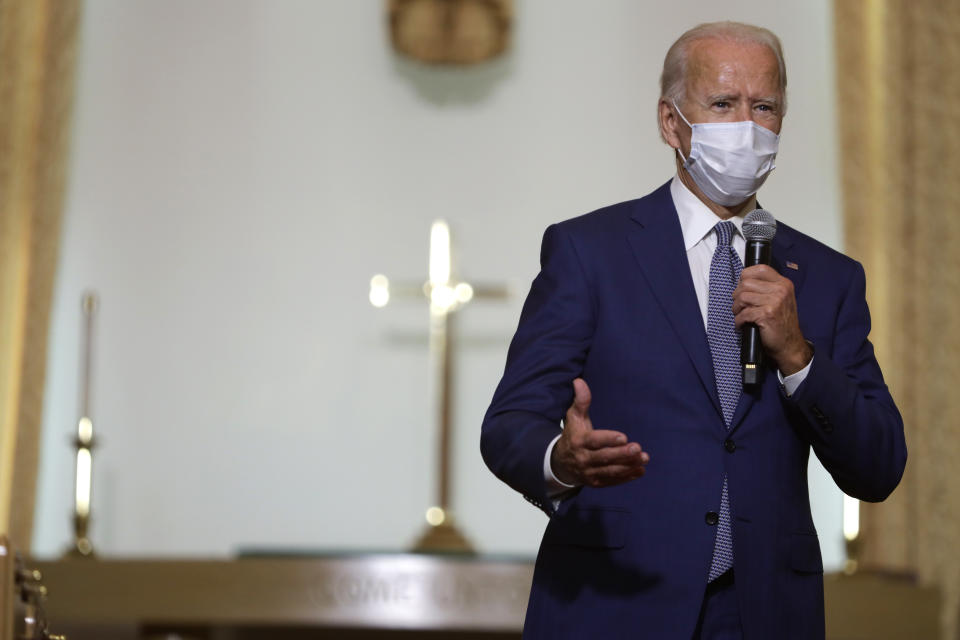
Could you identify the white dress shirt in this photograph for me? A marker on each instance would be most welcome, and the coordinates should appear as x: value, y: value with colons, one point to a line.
x: 697, y: 222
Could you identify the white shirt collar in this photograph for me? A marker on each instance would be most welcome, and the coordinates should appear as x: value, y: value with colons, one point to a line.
x: 696, y: 219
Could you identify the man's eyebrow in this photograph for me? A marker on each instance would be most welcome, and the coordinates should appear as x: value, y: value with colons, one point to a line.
x: 721, y: 97
x: 732, y: 97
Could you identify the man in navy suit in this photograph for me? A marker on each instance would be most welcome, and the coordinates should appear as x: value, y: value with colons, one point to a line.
x: 678, y: 502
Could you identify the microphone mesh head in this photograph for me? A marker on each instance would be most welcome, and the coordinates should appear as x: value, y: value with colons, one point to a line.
x: 759, y: 225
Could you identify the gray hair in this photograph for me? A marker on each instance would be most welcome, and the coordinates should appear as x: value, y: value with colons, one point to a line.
x: 672, y: 80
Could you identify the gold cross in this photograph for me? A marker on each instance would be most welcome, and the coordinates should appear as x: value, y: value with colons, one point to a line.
x: 446, y: 296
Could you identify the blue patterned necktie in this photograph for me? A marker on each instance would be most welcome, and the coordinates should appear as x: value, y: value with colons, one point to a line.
x: 724, y: 342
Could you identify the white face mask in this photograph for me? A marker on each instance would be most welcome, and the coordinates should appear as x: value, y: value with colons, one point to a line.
x: 729, y: 161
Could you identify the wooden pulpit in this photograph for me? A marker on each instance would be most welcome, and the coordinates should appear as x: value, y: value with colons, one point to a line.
x: 367, y: 596
x: 352, y: 597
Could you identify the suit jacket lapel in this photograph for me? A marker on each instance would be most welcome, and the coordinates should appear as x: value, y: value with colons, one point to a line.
x: 785, y: 260
x: 657, y: 243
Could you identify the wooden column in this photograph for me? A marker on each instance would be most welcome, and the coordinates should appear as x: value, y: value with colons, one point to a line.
x: 899, y: 123
x: 37, y: 50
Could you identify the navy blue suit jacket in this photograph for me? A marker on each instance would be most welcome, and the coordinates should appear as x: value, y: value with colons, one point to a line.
x: 614, y: 303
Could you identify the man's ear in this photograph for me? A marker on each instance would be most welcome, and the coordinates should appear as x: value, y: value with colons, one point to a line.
x: 668, y: 124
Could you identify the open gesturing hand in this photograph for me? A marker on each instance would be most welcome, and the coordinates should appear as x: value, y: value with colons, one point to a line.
x: 593, y: 457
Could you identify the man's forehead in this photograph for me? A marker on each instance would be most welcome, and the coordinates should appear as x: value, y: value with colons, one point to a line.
x: 713, y: 58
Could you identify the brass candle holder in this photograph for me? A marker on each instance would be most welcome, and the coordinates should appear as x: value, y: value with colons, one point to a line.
x: 83, y: 442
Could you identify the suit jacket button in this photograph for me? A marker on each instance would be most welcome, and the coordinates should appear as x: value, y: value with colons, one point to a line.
x: 712, y: 518
x: 730, y: 445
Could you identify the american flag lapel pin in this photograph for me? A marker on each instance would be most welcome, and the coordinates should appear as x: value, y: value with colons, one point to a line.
x: 793, y: 265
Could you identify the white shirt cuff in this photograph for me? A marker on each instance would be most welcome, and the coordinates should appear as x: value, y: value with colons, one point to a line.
x: 793, y: 381
x: 555, y: 486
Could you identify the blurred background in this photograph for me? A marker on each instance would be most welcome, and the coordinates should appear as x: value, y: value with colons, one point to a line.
x: 227, y: 176
x: 239, y: 171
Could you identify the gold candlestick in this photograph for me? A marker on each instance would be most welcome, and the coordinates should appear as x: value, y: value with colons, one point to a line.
x: 851, y: 533
x: 84, y: 443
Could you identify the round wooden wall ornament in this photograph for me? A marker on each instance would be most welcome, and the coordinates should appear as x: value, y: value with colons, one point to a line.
x: 451, y: 32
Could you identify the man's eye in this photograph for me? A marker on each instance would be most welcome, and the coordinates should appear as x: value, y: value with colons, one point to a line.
x: 764, y: 107
x: 721, y: 104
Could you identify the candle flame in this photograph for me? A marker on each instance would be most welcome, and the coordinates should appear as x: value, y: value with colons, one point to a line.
x: 84, y: 465
x: 439, y: 253
x: 851, y: 518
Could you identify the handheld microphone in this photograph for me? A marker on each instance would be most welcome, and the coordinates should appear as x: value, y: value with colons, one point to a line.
x: 759, y: 228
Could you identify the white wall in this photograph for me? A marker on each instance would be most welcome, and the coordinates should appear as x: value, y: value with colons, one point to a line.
x: 240, y: 170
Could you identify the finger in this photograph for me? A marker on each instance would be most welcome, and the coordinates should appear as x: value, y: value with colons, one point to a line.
x: 738, y: 303
x: 577, y: 418
x: 613, y: 475
x: 581, y: 397
x: 628, y: 454
x: 760, y: 272
x: 756, y: 315
x: 602, y: 438
x: 753, y: 299
x: 746, y: 299
x: 761, y: 287
x: 748, y: 314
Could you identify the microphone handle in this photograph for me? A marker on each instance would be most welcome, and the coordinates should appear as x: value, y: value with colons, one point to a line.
x: 751, y: 349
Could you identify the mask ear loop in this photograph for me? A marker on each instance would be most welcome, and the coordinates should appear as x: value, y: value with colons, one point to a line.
x: 684, y: 118
x: 680, y: 113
